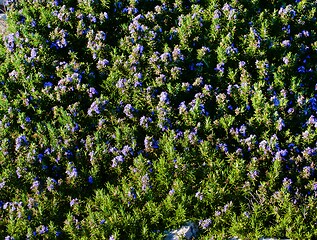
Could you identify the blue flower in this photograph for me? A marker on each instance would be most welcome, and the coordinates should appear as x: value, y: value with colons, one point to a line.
x: 301, y: 69
x: 145, y: 182
x: 35, y: 185
x: 287, y: 183
x: 205, y: 223
x: 128, y: 109
x: 92, y: 91
x: 116, y: 160
x: 199, y: 195
x: 73, y: 173
x: 164, y: 97
x: 286, y: 43
x: 33, y: 53
x: 21, y: 141
x: 102, y: 63
x: 43, y: 229
x: 280, y: 124
x: 220, y: 67
x: 275, y: 101
x: 93, y: 107
x: 112, y: 237
x: 171, y: 192
x: 73, y: 202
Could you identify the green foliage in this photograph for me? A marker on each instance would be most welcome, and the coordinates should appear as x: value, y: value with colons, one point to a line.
x: 122, y: 120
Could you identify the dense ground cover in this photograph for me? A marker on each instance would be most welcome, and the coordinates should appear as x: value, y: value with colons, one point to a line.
x: 120, y: 120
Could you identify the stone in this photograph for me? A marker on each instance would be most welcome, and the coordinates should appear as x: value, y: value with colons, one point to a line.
x: 3, y: 17
x: 273, y: 239
x: 188, y: 232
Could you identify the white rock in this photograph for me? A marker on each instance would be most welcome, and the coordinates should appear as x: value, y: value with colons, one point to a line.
x: 273, y: 239
x: 3, y: 17
x: 236, y: 238
x: 188, y: 231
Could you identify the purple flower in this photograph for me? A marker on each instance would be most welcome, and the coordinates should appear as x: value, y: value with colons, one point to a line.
x: 112, y: 237
x: 254, y: 174
x: 164, y: 97
x: 307, y: 171
x: 73, y: 173
x: 223, y: 147
x: 94, y: 107
x: 220, y: 67
x: 138, y: 49
x: 177, y: 53
x: 47, y: 151
x: 33, y: 53
x: 48, y: 84
x: 92, y: 18
x: 126, y: 150
x: 51, y: 182
x: 305, y: 33
x: 121, y: 83
x: 275, y: 101
x: 166, y: 57
x: 150, y: 143
x: 280, y: 124
x: 217, y: 14
x: 242, y: 130
x: 10, y: 42
x: 145, y: 182
x: 205, y: 223
x: 287, y: 183
x: 73, y: 202
x: 35, y: 185
x: 18, y: 172
x: 291, y: 110
x: 286, y: 43
x: 192, y: 136
x: 171, y: 192
x: 92, y: 91
x: 128, y: 109
x: 226, y: 207
x: 116, y: 160
x: 312, y: 120
x: 285, y: 60
x: 21, y: 141
x: 226, y: 7
x: 102, y: 63
x: 199, y: 195
x: 2, y: 184
x: 43, y: 229
x: 144, y: 121
x: 217, y: 213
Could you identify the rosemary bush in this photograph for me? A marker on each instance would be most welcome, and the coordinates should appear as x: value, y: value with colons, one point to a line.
x: 123, y: 119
